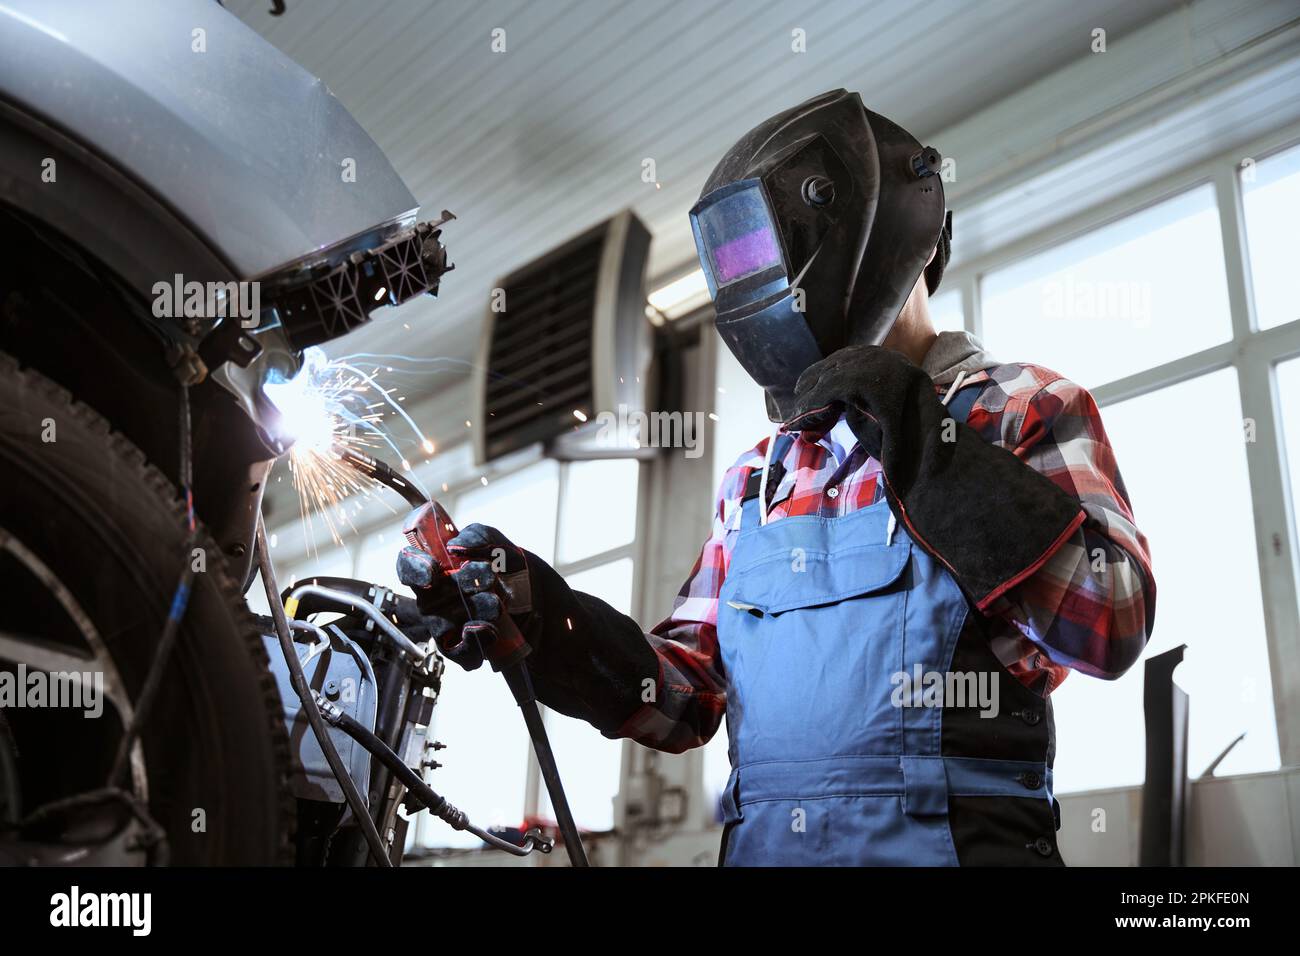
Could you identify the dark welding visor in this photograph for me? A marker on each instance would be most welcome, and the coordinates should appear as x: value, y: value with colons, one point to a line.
x: 758, y: 315
x: 736, y: 232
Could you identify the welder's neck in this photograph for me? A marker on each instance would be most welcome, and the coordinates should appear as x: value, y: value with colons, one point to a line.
x: 913, y: 332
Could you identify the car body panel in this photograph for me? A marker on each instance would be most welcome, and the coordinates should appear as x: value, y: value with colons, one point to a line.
x: 237, y: 140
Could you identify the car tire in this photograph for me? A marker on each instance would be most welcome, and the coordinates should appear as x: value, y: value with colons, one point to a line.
x: 113, y: 531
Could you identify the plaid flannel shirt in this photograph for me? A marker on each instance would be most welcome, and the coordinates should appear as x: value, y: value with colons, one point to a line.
x: 1088, y: 607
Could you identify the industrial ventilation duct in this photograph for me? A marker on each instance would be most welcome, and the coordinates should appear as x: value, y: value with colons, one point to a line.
x: 566, y: 349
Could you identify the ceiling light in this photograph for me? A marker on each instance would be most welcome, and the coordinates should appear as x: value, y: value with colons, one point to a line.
x: 681, y: 296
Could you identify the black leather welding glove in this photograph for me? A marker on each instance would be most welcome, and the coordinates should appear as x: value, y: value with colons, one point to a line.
x: 985, y: 514
x: 460, y: 606
x: 587, y: 660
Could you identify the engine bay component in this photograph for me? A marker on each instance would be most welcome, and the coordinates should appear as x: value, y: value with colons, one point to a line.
x: 356, y: 803
x: 340, y: 670
x: 346, y: 602
x: 420, y: 792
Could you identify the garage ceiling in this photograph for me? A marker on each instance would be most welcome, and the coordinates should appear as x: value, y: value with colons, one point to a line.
x: 531, y: 146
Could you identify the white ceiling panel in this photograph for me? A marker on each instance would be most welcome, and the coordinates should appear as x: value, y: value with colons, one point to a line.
x: 531, y: 146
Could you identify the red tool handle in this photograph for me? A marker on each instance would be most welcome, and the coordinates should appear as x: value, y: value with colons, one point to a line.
x: 429, y: 528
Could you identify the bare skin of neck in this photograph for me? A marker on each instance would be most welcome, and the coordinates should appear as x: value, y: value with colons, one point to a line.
x: 913, y: 332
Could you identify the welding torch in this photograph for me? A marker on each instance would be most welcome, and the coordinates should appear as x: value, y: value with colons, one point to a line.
x: 429, y: 528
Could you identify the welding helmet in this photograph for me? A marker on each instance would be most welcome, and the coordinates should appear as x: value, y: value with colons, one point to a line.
x: 812, y: 231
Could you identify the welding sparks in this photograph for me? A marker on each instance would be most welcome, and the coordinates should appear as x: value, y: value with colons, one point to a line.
x: 326, y: 409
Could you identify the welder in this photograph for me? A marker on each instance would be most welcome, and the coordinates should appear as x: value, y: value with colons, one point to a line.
x: 920, y: 509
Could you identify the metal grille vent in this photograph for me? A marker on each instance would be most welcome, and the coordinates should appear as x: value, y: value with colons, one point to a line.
x: 545, y: 352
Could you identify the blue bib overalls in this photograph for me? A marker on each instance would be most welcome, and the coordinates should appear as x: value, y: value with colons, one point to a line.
x: 835, y: 759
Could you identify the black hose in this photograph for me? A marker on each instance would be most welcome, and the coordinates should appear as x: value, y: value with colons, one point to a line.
x: 437, y: 804
x: 521, y: 686
x: 157, y: 666
x: 299, y: 681
x: 383, y: 474
x: 180, y: 601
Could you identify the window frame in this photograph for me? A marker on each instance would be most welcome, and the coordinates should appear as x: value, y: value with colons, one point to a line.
x: 630, y: 550
x: 1253, y: 352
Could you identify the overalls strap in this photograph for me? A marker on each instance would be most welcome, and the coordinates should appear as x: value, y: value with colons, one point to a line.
x: 960, y: 405
x: 749, y: 517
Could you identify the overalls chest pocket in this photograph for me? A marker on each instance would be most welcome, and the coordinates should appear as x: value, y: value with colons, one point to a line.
x: 811, y: 632
x: 802, y: 576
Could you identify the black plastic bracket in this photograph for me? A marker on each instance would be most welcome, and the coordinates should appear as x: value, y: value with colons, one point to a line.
x: 1164, y: 794
x: 335, y: 301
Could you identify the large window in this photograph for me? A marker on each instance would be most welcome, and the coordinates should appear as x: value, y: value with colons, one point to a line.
x: 946, y: 311
x: 1110, y: 305
x: 597, y: 532
x: 1128, y: 296
x: 1198, y: 518
x: 600, y: 509
x: 1271, y: 199
x: 486, y: 763
x: 1288, y: 388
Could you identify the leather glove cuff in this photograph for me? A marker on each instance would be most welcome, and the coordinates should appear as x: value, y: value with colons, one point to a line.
x: 986, y: 515
x: 589, y: 661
